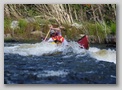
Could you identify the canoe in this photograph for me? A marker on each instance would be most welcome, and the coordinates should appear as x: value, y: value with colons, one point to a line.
x: 83, y: 42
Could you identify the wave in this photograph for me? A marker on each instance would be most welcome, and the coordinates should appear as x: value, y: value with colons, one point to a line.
x: 45, y: 48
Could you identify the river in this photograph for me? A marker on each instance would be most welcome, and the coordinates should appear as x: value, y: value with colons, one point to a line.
x: 45, y: 63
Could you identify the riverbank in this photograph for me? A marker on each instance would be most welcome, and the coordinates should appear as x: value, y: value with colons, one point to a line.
x: 33, y: 31
x: 21, y: 40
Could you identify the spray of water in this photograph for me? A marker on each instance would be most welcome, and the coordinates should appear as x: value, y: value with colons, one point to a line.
x: 103, y: 54
x: 43, y: 48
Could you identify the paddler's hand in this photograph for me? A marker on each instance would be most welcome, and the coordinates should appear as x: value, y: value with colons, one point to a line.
x: 51, y: 27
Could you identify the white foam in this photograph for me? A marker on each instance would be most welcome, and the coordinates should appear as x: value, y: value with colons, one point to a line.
x: 48, y: 73
x: 47, y: 48
x: 41, y: 48
x: 31, y: 49
x: 103, y: 54
x: 113, y: 76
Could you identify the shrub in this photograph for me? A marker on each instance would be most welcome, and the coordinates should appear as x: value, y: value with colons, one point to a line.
x: 22, y: 24
x: 7, y: 23
x: 113, y: 28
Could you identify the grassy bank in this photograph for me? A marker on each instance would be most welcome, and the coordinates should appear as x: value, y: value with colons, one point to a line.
x: 24, y: 31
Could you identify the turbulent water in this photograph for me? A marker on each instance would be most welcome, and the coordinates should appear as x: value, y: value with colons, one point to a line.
x: 45, y: 63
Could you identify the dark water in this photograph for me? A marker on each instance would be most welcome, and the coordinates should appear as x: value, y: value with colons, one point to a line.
x: 57, y: 69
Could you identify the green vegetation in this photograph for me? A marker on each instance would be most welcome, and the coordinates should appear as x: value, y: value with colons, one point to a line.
x: 113, y: 28
x: 95, y: 20
x: 7, y: 22
x: 22, y: 24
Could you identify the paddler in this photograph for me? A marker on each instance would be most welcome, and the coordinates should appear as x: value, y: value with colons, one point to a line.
x: 55, y: 36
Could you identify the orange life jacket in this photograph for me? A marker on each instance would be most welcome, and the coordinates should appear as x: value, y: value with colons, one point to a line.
x: 58, y: 38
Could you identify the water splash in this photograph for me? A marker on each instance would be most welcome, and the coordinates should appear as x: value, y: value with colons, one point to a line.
x: 31, y: 49
x: 43, y: 48
x: 103, y: 54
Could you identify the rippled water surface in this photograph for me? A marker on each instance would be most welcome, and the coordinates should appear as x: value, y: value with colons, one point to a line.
x: 44, y: 63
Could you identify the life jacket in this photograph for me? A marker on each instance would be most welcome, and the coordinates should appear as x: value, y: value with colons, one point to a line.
x: 58, y: 38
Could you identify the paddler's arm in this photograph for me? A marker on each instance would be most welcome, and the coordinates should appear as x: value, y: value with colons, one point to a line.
x: 50, y: 40
x: 56, y: 29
